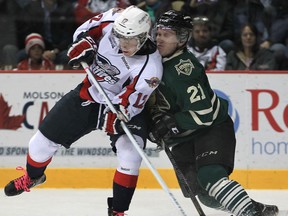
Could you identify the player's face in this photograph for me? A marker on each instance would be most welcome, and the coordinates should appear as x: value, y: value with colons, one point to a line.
x: 129, y: 46
x: 167, y: 42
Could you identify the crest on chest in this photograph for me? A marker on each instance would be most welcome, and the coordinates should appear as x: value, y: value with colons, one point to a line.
x: 184, y: 67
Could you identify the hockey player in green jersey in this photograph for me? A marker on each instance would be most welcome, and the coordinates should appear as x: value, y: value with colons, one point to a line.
x: 188, y: 116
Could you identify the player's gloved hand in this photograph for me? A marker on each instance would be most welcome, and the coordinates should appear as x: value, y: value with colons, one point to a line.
x: 83, y: 49
x: 112, y: 124
x: 112, y: 121
x: 163, y: 129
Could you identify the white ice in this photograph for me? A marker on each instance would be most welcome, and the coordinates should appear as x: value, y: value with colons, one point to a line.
x: 92, y: 202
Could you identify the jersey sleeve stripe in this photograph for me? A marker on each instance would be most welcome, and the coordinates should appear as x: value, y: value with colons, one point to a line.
x: 197, y: 119
x: 96, y: 32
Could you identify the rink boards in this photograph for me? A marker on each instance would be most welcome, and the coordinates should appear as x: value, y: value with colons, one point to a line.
x: 102, y: 178
x: 258, y: 106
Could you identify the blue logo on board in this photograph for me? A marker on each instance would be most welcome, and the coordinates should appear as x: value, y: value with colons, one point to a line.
x: 232, y: 111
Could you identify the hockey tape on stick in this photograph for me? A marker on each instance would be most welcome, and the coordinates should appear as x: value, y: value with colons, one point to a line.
x: 184, y: 181
x: 133, y: 140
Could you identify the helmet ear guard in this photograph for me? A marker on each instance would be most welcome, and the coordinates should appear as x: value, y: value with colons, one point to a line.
x: 132, y: 23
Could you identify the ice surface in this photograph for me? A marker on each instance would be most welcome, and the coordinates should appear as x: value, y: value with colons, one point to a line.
x: 92, y: 202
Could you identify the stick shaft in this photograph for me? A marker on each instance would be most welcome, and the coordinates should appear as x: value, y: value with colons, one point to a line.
x: 184, y: 181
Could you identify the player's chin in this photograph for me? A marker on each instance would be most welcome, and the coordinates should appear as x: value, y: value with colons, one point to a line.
x: 128, y: 54
x: 162, y: 51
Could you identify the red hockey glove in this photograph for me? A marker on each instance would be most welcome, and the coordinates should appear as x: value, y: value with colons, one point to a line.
x: 163, y: 129
x: 83, y: 49
x: 112, y: 121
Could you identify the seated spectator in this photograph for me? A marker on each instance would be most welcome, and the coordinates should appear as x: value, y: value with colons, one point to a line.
x: 155, y: 8
x: 249, y: 55
x: 210, y: 55
x: 34, y: 47
x: 86, y: 9
x: 220, y: 14
x: 271, y: 19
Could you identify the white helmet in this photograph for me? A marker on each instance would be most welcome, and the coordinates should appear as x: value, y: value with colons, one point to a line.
x: 133, y: 23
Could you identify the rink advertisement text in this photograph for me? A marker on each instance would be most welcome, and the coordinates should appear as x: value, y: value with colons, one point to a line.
x: 258, y: 106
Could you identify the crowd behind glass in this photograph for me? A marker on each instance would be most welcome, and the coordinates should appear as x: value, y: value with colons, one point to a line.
x: 226, y: 35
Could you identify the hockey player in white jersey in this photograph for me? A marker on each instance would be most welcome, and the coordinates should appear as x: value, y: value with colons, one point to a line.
x: 117, y: 46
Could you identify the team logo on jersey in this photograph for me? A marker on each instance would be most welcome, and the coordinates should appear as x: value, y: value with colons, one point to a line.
x: 104, y: 71
x: 184, y: 67
x: 153, y: 82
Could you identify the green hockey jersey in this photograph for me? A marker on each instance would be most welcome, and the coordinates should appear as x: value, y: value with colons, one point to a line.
x: 185, y: 92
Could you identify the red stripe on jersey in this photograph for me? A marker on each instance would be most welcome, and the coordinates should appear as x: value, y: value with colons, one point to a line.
x: 131, y: 87
x: 96, y: 32
x: 36, y: 164
x: 213, y: 63
x: 125, y: 180
x: 84, y: 93
x: 129, y: 90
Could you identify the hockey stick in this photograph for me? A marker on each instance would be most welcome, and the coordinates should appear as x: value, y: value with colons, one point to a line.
x: 183, y: 181
x: 132, y: 139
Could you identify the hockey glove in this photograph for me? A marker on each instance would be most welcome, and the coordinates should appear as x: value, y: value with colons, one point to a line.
x: 163, y: 129
x: 112, y: 121
x: 83, y: 49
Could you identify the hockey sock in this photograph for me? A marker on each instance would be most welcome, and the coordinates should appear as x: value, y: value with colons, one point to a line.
x: 208, y: 201
x: 233, y: 197
x: 123, y: 189
x: 35, y: 169
x: 229, y: 193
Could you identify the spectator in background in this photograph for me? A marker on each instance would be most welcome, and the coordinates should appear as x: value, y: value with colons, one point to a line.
x: 208, y: 53
x: 249, y: 55
x: 271, y: 19
x: 155, y: 8
x: 53, y: 19
x: 220, y: 13
x: 85, y: 9
x: 34, y: 47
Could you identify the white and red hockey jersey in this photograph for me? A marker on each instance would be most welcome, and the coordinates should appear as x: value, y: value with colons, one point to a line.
x: 128, y: 81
